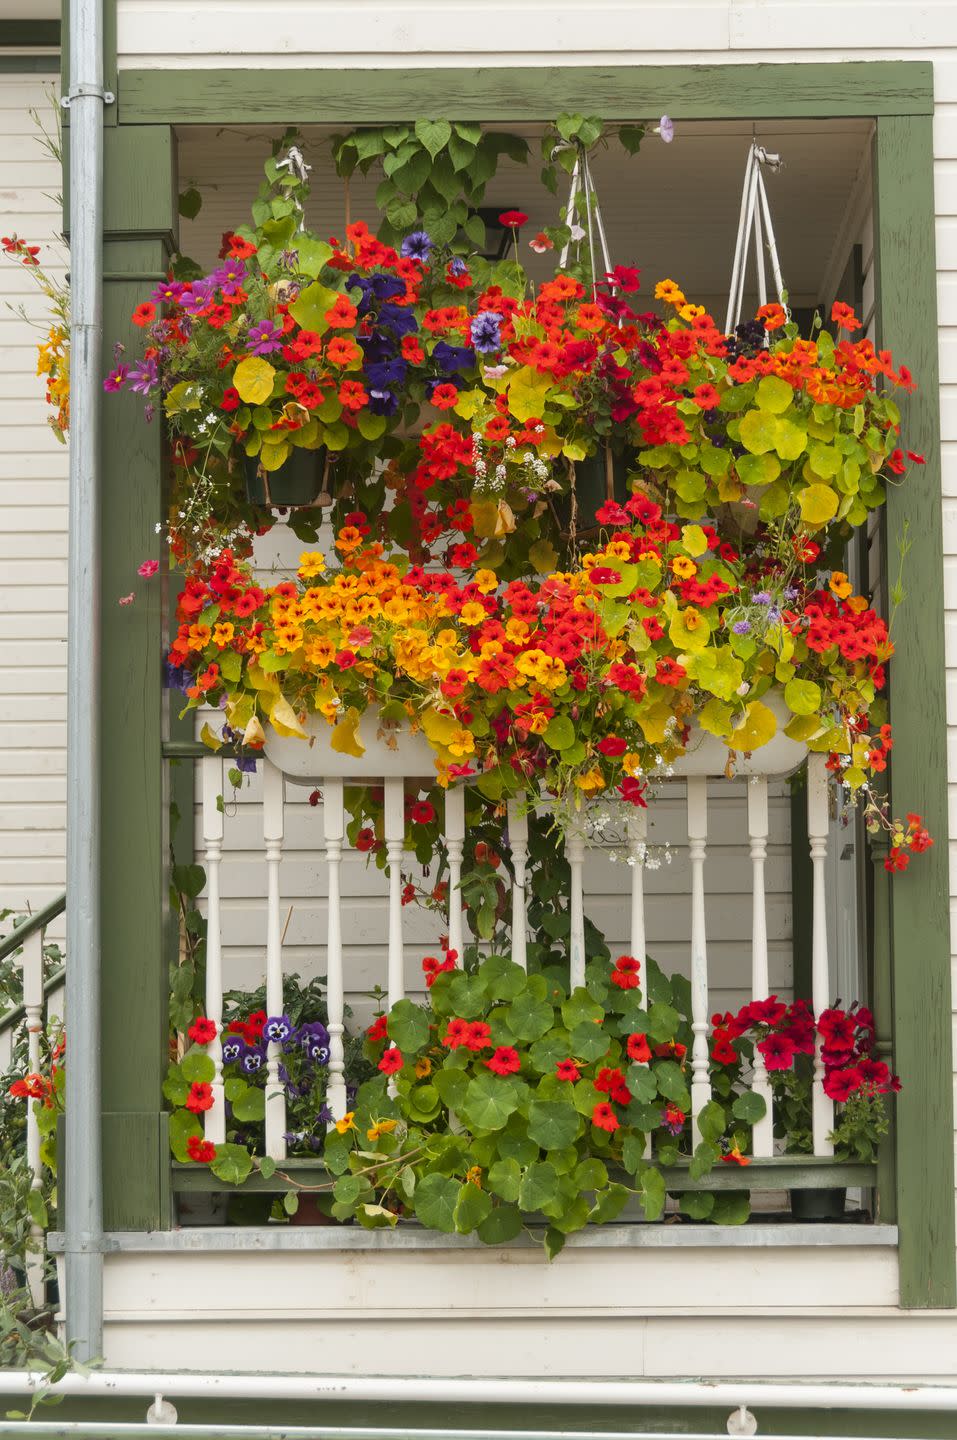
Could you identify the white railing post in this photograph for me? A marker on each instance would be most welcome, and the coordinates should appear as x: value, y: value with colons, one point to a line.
x: 274, y: 791
x: 394, y: 828
x: 822, y: 1109
x: 637, y: 832
x: 697, y: 843
x: 32, y: 964
x: 455, y: 845
x: 757, y: 785
x: 518, y: 843
x: 212, y: 786
x: 575, y: 855
x: 333, y: 815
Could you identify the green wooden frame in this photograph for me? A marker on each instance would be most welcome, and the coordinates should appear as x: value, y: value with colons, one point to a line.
x: 916, y: 1182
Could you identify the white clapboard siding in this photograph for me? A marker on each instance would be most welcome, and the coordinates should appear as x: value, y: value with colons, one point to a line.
x: 33, y: 527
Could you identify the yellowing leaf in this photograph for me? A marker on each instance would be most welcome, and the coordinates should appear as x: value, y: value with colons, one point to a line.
x: 758, y: 431
x: 345, y: 738
x: 543, y: 556
x: 756, y: 728
x: 718, y: 670
x: 694, y: 540
x: 260, y: 680
x: 791, y: 439
x: 439, y: 727
x: 818, y: 505
x: 271, y: 457
x: 690, y: 629
x: 802, y: 728
x: 210, y: 738
x: 758, y: 469
x: 575, y: 449
x: 729, y: 489
x: 526, y: 393
x: 253, y: 378
x: 187, y: 395
x: 715, y: 717
x: 803, y: 697
x: 774, y: 394
x: 469, y: 403
x: 254, y: 734
x: 484, y: 517
x: 309, y: 310
x: 284, y: 719
x: 653, y: 719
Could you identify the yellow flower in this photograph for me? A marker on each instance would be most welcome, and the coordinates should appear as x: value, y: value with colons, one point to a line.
x: 347, y: 1122
x: 486, y: 581
x: 198, y: 637
x: 320, y: 652
x: 857, y: 603
x: 690, y: 312
x: 590, y: 781
x: 683, y: 567
x: 381, y: 1127
x: 423, y: 1067
x: 472, y: 613
x: 288, y: 638
x: 447, y: 638
x: 329, y: 709
x: 311, y: 562
x: 223, y: 632
x: 668, y: 291
x: 631, y: 763
x: 461, y: 743
x: 473, y: 1176
x: 840, y: 585
x: 551, y: 672
x: 691, y: 618
x: 529, y: 663
x: 515, y: 631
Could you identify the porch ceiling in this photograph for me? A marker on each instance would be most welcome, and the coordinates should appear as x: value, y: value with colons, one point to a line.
x: 672, y: 210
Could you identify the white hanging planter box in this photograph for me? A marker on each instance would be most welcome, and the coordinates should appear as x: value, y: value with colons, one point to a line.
x: 308, y: 762
x: 708, y: 755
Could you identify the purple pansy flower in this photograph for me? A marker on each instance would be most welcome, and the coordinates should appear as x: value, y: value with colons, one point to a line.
x: 278, y: 1028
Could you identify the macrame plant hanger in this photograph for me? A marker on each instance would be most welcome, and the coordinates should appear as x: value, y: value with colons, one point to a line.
x: 581, y: 180
x: 755, y: 219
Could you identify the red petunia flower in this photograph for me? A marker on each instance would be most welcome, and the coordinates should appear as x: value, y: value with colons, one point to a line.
x: 778, y: 1052
x: 840, y: 1085
x: 391, y: 1061
x: 612, y: 746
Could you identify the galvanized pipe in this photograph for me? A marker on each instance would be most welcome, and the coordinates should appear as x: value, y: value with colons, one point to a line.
x: 84, y: 1207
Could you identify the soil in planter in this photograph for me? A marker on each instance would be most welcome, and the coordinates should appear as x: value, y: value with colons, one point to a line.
x: 298, y: 482
x: 818, y: 1204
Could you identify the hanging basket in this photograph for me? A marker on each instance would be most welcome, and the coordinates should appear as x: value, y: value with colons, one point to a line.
x: 302, y: 480
x: 594, y: 481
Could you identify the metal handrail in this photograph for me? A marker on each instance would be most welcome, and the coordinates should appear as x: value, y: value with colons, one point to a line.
x: 30, y: 926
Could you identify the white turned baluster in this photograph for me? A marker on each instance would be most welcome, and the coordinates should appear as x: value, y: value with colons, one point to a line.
x: 822, y: 1109
x: 212, y: 783
x: 575, y: 855
x: 763, y: 1132
x: 455, y: 845
x: 518, y: 842
x: 334, y: 829
x: 697, y: 841
x: 394, y: 827
x: 32, y: 964
x: 273, y: 805
x: 637, y: 832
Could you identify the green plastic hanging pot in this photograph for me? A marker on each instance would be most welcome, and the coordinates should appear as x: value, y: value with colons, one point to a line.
x: 298, y: 481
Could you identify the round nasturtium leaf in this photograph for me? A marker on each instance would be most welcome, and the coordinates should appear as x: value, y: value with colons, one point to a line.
x: 818, y: 505
x: 757, y: 728
x: 253, y: 379
x: 758, y: 431
x: 757, y: 469
x: 774, y: 394
x: 802, y: 697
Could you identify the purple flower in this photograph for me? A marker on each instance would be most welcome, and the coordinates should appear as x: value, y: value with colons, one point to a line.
x: 289, y: 259
x: 457, y: 266
x: 761, y: 597
x: 417, y: 246
x: 116, y: 378
x: 144, y: 377
x: 169, y: 292
x: 230, y: 277
x: 486, y: 332
x: 666, y: 129
x: 252, y: 1061
x: 325, y: 1116
x: 670, y: 1121
x: 741, y: 627
x: 278, y: 1028
x: 265, y: 337
x: 148, y: 412
x: 232, y: 1049
x: 450, y: 358
x: 246, y: 764
x: 198, y: 296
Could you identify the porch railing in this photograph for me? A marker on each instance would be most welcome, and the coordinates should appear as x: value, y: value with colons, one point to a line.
x: 42, y: 999
x: 754, y: 782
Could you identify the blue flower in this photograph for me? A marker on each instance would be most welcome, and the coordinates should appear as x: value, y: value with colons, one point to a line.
x: 394, y: 318
x: 486, y: 332
x: 383, y: 374
x: 450, y: 358
x: 246, y: 763
x: 232, y: 1049
x: 741, y: 627
x: 457, y: 265
x: 252, y: 1061
x: 417, y: 246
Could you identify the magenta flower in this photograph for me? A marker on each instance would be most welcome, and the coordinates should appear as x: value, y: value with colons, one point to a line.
x: 126, y: 599
x: 148, y: 569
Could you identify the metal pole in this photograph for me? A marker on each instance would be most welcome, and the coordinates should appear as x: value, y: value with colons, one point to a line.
x: 84, y: 1208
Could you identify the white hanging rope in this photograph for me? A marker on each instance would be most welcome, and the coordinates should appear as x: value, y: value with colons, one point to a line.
x: 581, y: 178
x: 754, y: 218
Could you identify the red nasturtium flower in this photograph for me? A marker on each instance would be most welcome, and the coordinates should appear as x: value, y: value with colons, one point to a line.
x: 638, y: 1048
x: 505, y: 1061
x: 567, y: 1070
x: 391, y: 1061
x: 603, y: 1117
x: 625, y: 972
x: 456, y: 1034
x: 203, y: 1031
x: 479, y: 1035
x: 200, y: 1097
x: 202, y: 1151
x: 378, y: 1030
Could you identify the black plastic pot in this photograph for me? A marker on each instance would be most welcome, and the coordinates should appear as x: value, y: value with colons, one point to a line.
x: 298, y: 482
x: 818, y: 1204
x: 598, y: 478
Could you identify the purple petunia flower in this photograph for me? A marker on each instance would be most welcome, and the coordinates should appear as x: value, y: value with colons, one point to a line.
x: 264, y: 337
x: 417, y: 246
x: 457, y: 265
x: 487, y: 332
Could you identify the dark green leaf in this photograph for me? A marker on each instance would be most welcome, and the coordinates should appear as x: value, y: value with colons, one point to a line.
x: 553, y: 1124
x: 471, y: 1208
x: 539, y: 1187
x: 490, y: 1100
x: 731, y: 1207
x: 609, y: 1204
x: 651, y: 1184
x: 505, y: 1178
x: 749, y: 1107
x: 408, y: 1026
x: 697, y: 1204
x: 196, y: 1066
x: 711, y: 1121
x: 502, y: 1224
x: 190, y: 203
x: 703, y: 1160
x: 554, y: 1242
x: 435, y: 1200
x: 232, y: 1164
